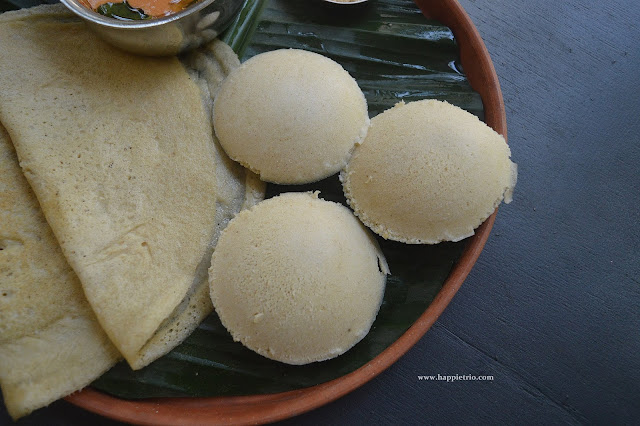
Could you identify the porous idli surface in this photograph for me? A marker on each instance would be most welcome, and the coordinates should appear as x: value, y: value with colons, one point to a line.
x: 428, y: 172
x: 291, y: 116
x: 297, y: 279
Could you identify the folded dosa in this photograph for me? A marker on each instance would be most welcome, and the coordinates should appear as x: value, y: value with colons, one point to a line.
x: 50, y: 341
x: 120, y: 153
x: 237, y: 189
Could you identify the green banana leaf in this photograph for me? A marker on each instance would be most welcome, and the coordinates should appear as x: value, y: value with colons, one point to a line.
x: 395, y: 54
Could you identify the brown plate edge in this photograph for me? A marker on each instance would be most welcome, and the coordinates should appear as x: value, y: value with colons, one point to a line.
x: 255, y: 409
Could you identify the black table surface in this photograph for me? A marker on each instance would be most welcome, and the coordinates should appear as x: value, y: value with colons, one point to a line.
x: 552, y: 308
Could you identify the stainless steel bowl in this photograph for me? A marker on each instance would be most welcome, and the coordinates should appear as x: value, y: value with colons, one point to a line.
x: 197, y: 24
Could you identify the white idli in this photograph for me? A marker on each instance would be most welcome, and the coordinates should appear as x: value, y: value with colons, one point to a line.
x: 290, y: 116
x: 297, y: 279
x: 427, y: 172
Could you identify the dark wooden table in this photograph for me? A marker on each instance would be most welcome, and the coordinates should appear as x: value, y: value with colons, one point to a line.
x: 552, y: 308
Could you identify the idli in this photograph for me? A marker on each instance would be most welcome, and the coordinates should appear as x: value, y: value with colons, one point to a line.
x: 297, y: 279
x: 427, y: 172
x: 291, y: 116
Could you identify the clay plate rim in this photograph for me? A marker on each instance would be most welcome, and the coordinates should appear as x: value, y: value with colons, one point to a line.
x: 253, y: 409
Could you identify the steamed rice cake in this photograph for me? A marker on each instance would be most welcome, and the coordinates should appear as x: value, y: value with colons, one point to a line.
x: 50, y: 341
x: 291, y: 116
x: 427, y: 172
x: 297, y: 279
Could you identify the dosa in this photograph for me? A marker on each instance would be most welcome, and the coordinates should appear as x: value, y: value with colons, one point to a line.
x: 50, y: 341
x: 120, y: 153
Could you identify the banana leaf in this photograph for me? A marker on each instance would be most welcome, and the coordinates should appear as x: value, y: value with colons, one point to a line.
x: 395, y: 54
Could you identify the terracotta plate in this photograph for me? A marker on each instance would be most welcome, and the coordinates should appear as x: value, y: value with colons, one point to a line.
x: 268, y: 408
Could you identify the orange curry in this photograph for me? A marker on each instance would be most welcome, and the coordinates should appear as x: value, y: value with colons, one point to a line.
x: 153, y: 8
